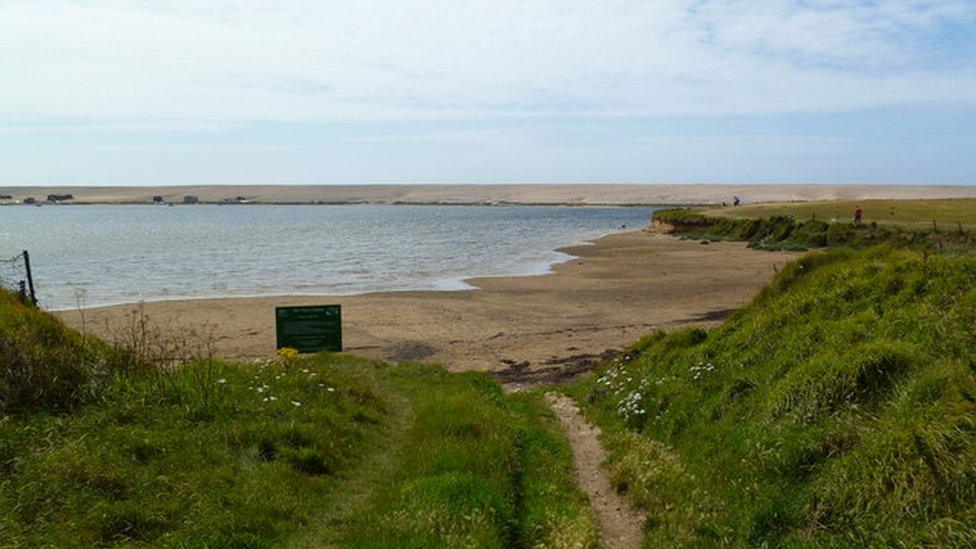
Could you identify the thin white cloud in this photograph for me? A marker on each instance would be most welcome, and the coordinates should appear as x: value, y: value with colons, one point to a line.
x: 183, y: 60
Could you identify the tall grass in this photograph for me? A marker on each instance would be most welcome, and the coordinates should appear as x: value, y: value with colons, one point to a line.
x: 838, y: 408
x: 45, y: 365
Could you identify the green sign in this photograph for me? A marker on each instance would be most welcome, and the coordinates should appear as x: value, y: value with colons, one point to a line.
x: 309, y: 329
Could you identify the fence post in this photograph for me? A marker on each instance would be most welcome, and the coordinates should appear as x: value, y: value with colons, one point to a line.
x: 23, y: 292
x: 30, y: 278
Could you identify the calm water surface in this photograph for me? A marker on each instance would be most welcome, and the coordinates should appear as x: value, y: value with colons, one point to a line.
x: 101, y: 255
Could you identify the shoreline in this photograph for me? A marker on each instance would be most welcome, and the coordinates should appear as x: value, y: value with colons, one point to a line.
x: 544, y: 269
x: 464, y: 284
x: 459, y: 204
x: 604, y: 298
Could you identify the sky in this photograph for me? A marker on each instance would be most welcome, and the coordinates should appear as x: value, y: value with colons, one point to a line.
x: 140, y: 92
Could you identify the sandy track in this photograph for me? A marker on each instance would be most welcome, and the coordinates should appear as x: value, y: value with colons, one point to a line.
x: 620, y: 524
x: 613, y: 293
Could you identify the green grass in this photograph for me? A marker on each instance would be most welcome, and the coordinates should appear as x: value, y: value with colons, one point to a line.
x: 838, y: 408
x: 213, y: 453
x: 325, y: 450
x: 949, y: 213
x: 478, y: 469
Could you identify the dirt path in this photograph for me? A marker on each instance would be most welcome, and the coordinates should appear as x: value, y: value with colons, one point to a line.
x: 620, y: 524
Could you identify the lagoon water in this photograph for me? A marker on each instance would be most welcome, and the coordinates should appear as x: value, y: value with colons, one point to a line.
x: 103, y: 255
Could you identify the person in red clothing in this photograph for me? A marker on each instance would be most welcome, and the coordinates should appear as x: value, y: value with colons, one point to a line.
x: 858, y: 213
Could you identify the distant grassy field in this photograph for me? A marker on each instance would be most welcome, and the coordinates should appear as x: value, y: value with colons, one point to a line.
x: 950, y: 225
x: 322, y: 450
x: 946, y: 212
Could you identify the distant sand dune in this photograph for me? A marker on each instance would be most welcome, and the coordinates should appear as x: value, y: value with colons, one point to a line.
x: 577, y: 194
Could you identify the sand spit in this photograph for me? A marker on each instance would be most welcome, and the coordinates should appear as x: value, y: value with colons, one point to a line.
x: 577, y: 194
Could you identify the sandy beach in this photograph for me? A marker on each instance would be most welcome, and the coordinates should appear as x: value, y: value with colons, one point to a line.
x: 613, y: 292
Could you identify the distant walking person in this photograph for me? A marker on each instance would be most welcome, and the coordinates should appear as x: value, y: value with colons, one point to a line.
x: 736, y: 200
x: 858, y: 213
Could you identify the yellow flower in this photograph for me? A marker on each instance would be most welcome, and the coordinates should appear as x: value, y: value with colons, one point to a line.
x: 288, y: 355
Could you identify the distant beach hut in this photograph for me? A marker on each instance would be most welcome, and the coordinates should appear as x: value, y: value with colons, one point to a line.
x: 191, y: 199
x: 157, y: 199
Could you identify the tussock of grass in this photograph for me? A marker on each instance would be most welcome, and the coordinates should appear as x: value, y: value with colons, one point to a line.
x: 837, y: 408
x: 861, y: 375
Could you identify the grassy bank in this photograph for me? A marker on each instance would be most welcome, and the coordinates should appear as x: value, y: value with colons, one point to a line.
x: 790, y: 229
x: 327, y: 449
x: 44, y: 365
x: 838, y: 408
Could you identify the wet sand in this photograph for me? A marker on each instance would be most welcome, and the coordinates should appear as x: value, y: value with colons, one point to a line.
x: 612, y: 293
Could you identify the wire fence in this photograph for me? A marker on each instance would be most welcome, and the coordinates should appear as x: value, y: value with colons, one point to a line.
x: 12, y: 272
x: 15, y: 276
